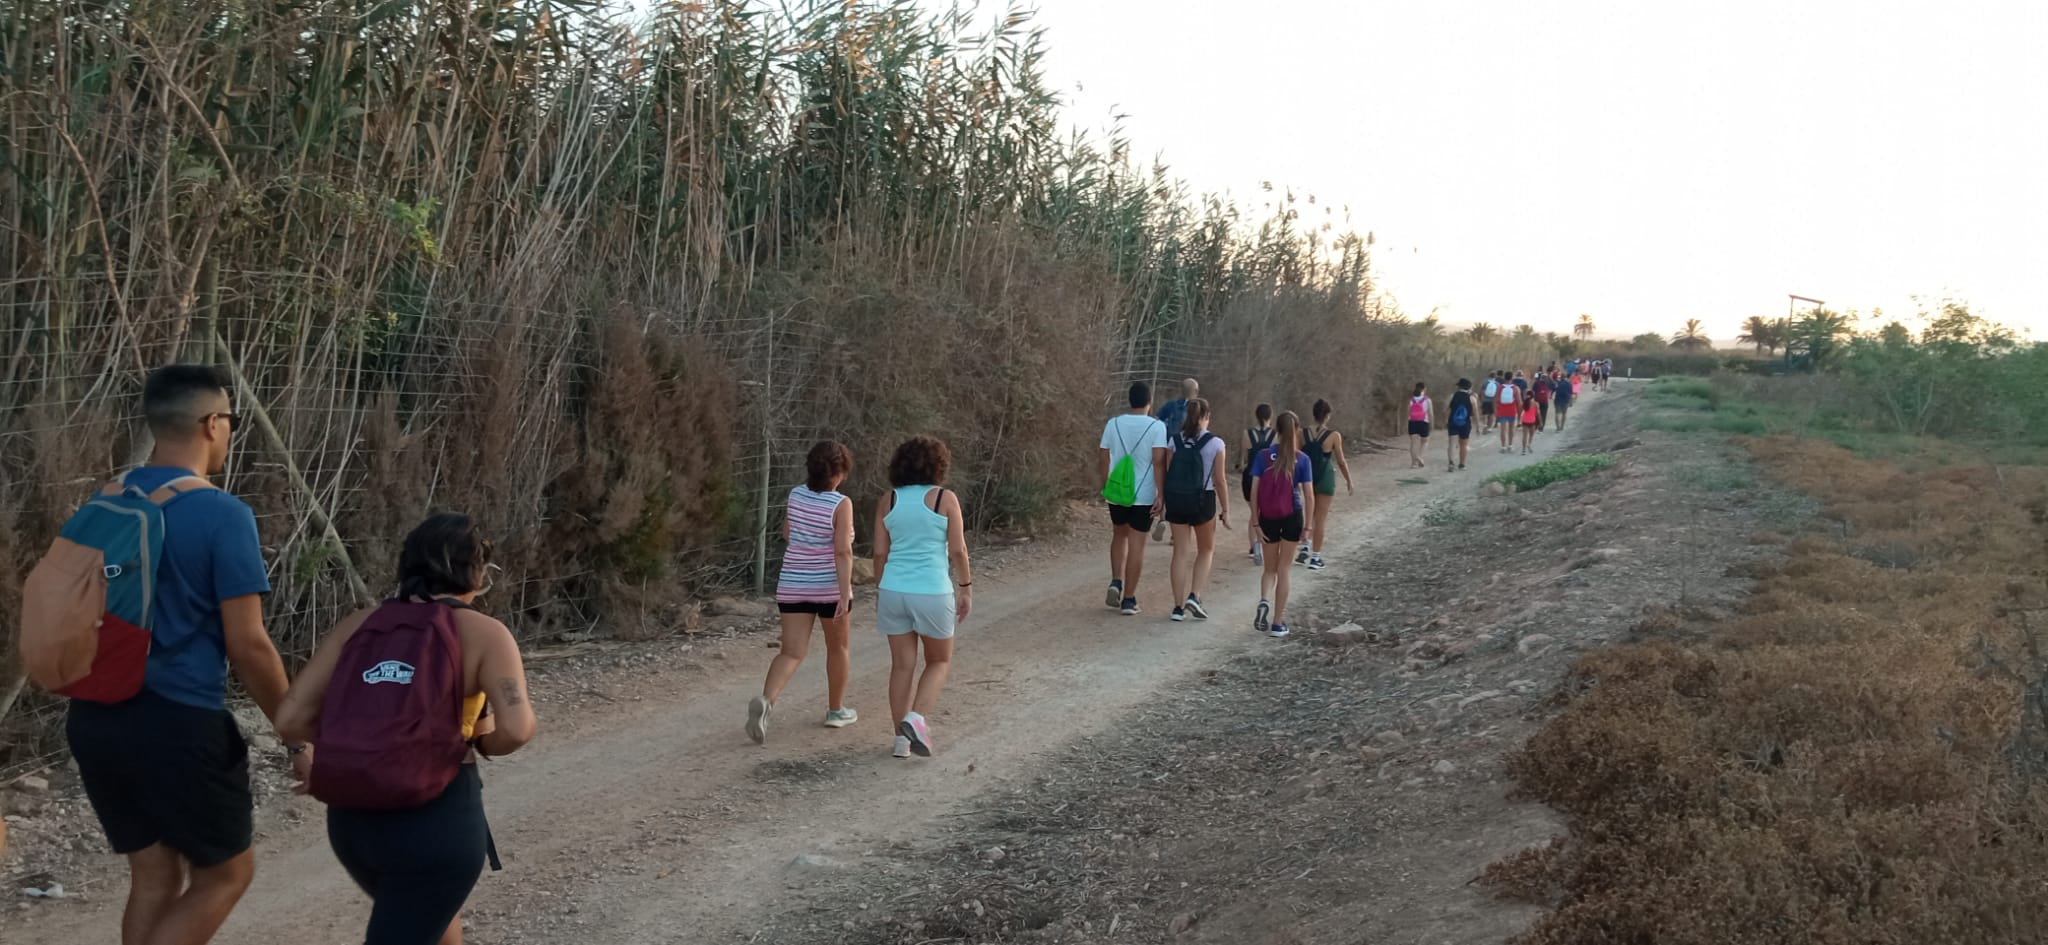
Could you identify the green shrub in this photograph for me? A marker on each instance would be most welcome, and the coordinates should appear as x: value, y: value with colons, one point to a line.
x: 1553, y: 470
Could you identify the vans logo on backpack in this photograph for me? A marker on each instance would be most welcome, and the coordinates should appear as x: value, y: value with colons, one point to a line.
x: 391, y: 671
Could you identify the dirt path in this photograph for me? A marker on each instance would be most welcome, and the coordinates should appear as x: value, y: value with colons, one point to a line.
x: 649, y: 818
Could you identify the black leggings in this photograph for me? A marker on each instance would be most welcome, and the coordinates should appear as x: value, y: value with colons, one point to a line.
x: 417, y: 865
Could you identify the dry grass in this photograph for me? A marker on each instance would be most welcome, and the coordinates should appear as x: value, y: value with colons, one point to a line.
x: 1847, y: 760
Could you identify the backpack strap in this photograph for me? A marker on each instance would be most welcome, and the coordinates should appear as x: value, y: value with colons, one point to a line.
x: 178, y: 488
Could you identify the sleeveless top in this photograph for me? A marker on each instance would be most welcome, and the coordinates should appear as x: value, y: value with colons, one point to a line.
x: 810, y: 567
x: 918, y: 561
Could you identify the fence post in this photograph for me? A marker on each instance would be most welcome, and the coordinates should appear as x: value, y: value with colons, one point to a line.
x: 767, y: 462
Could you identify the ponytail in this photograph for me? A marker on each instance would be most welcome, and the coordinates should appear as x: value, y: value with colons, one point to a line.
x: 1287, y: 440
x: 1198, y: 411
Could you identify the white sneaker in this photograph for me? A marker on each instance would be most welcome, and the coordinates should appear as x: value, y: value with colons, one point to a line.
x: 1261, y: 616
x: 841, y: 718
x: 757, y: 719
x: 914, y: 729
x: 902, y: 749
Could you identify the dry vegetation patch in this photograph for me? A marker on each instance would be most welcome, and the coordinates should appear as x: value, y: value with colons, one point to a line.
x: 1847, y: 759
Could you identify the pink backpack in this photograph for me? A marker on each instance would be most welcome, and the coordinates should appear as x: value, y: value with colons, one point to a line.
x: 391, y: 725
x: 1418, y: 408
x: 1276, y: 489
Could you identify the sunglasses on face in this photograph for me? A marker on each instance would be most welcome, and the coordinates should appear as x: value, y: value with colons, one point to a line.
x: 234, y: 420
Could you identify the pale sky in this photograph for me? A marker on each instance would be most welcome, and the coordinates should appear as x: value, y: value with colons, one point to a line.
x: 1643, y: 162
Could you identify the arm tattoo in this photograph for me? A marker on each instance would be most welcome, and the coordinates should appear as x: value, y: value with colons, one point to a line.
x: 508, y: 693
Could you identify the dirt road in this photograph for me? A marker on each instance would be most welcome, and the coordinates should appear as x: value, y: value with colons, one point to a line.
x: 646, y: 816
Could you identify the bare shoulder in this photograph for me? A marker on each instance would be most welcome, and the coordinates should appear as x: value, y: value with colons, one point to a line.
x: 481, y: 629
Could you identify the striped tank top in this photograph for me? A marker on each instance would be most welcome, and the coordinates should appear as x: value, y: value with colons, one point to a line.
x: 810, y: 571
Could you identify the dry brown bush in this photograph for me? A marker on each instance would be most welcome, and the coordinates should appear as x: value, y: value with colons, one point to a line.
x: 1835, y: 764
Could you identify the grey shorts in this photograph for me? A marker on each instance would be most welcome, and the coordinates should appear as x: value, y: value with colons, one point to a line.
x: 927, y: 615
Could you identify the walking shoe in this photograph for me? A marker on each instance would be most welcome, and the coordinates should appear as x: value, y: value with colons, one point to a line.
x: 1279, y: 630
x: 902, y: 749
x: 1315, y: 562
x: 757, y: 719
x: 1258, y: 554
x: 1179, y: 614
x: 1159, y: 530
x: 1194, y: 606
x: 1130, y: 606
x: 1260, y: 616
x: 1461, y: 467
x: 1301, y: 556
x: 913, y: 727
x: 1116, y: 593
x: 841, y: 718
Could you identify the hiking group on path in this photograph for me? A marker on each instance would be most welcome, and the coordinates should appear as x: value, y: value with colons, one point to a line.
x: 154, y: 591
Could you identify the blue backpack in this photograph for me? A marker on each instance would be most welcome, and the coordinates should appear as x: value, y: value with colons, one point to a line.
x: 85, y: 608
x: 1461, y: 415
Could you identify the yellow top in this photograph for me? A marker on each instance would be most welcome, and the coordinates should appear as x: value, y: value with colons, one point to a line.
x: 472, y: 709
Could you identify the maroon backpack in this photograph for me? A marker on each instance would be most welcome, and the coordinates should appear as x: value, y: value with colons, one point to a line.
x: 390, y: 734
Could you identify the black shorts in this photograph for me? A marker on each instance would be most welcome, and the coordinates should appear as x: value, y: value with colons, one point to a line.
x: 811, y: 608
x: 1137, y: 518
x: 1459, y: 431
x: 164, y: 772
x: 1486, y: 408
x: 1249, y: 480
x: 1418, y: 428
x: 1278, y: 530
x: 1197, y: 512
x: 418, y: 866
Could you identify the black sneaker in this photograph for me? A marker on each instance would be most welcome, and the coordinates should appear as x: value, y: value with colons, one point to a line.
x: 1130, y: 606
x: 1179, y: 615
x: 1116, y: 594
x: 1194, y: 606
x: 1260, y: 617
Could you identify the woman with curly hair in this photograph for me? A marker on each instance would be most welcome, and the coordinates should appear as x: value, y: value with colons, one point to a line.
x: 925, y: 584
x: 816, y: 586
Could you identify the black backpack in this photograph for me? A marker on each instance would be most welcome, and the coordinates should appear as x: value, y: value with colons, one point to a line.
x: 1186, y: 479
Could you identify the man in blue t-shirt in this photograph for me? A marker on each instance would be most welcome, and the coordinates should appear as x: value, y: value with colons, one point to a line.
x: 167, y: 771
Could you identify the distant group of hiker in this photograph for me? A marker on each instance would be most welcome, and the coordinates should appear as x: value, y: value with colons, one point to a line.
x: 154, y: 590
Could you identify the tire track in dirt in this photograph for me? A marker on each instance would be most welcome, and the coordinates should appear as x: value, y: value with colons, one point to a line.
x: 656, y: 821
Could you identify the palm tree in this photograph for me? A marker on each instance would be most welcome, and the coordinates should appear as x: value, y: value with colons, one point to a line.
x: 1584, y: 328
x: 1525, y: 331
x: 1693, y: 338
x: 1817, y: 336
x: 1767, y: 334
x: 1482, y: 332
x: 1432, y: 327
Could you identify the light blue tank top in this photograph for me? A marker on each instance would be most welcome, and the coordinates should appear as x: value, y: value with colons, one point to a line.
x: 918, y: 563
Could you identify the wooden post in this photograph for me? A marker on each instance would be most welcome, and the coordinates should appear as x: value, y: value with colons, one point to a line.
x: 291, y: 469
x: 767, y: 462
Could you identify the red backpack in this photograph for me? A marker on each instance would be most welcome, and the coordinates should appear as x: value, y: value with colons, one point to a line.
x: 390, y: 733
x: 1276, y: 489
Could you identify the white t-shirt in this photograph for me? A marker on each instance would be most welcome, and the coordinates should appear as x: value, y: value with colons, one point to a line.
x: 1136, y: 436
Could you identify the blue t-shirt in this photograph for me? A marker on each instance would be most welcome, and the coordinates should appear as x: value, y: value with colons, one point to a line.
x: 1173, y: 415
x: 1304, y: 474
x: 211, y: 554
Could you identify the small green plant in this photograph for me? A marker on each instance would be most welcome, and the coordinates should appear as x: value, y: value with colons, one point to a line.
x: 1446, y: 513
x: 1553, y: 470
